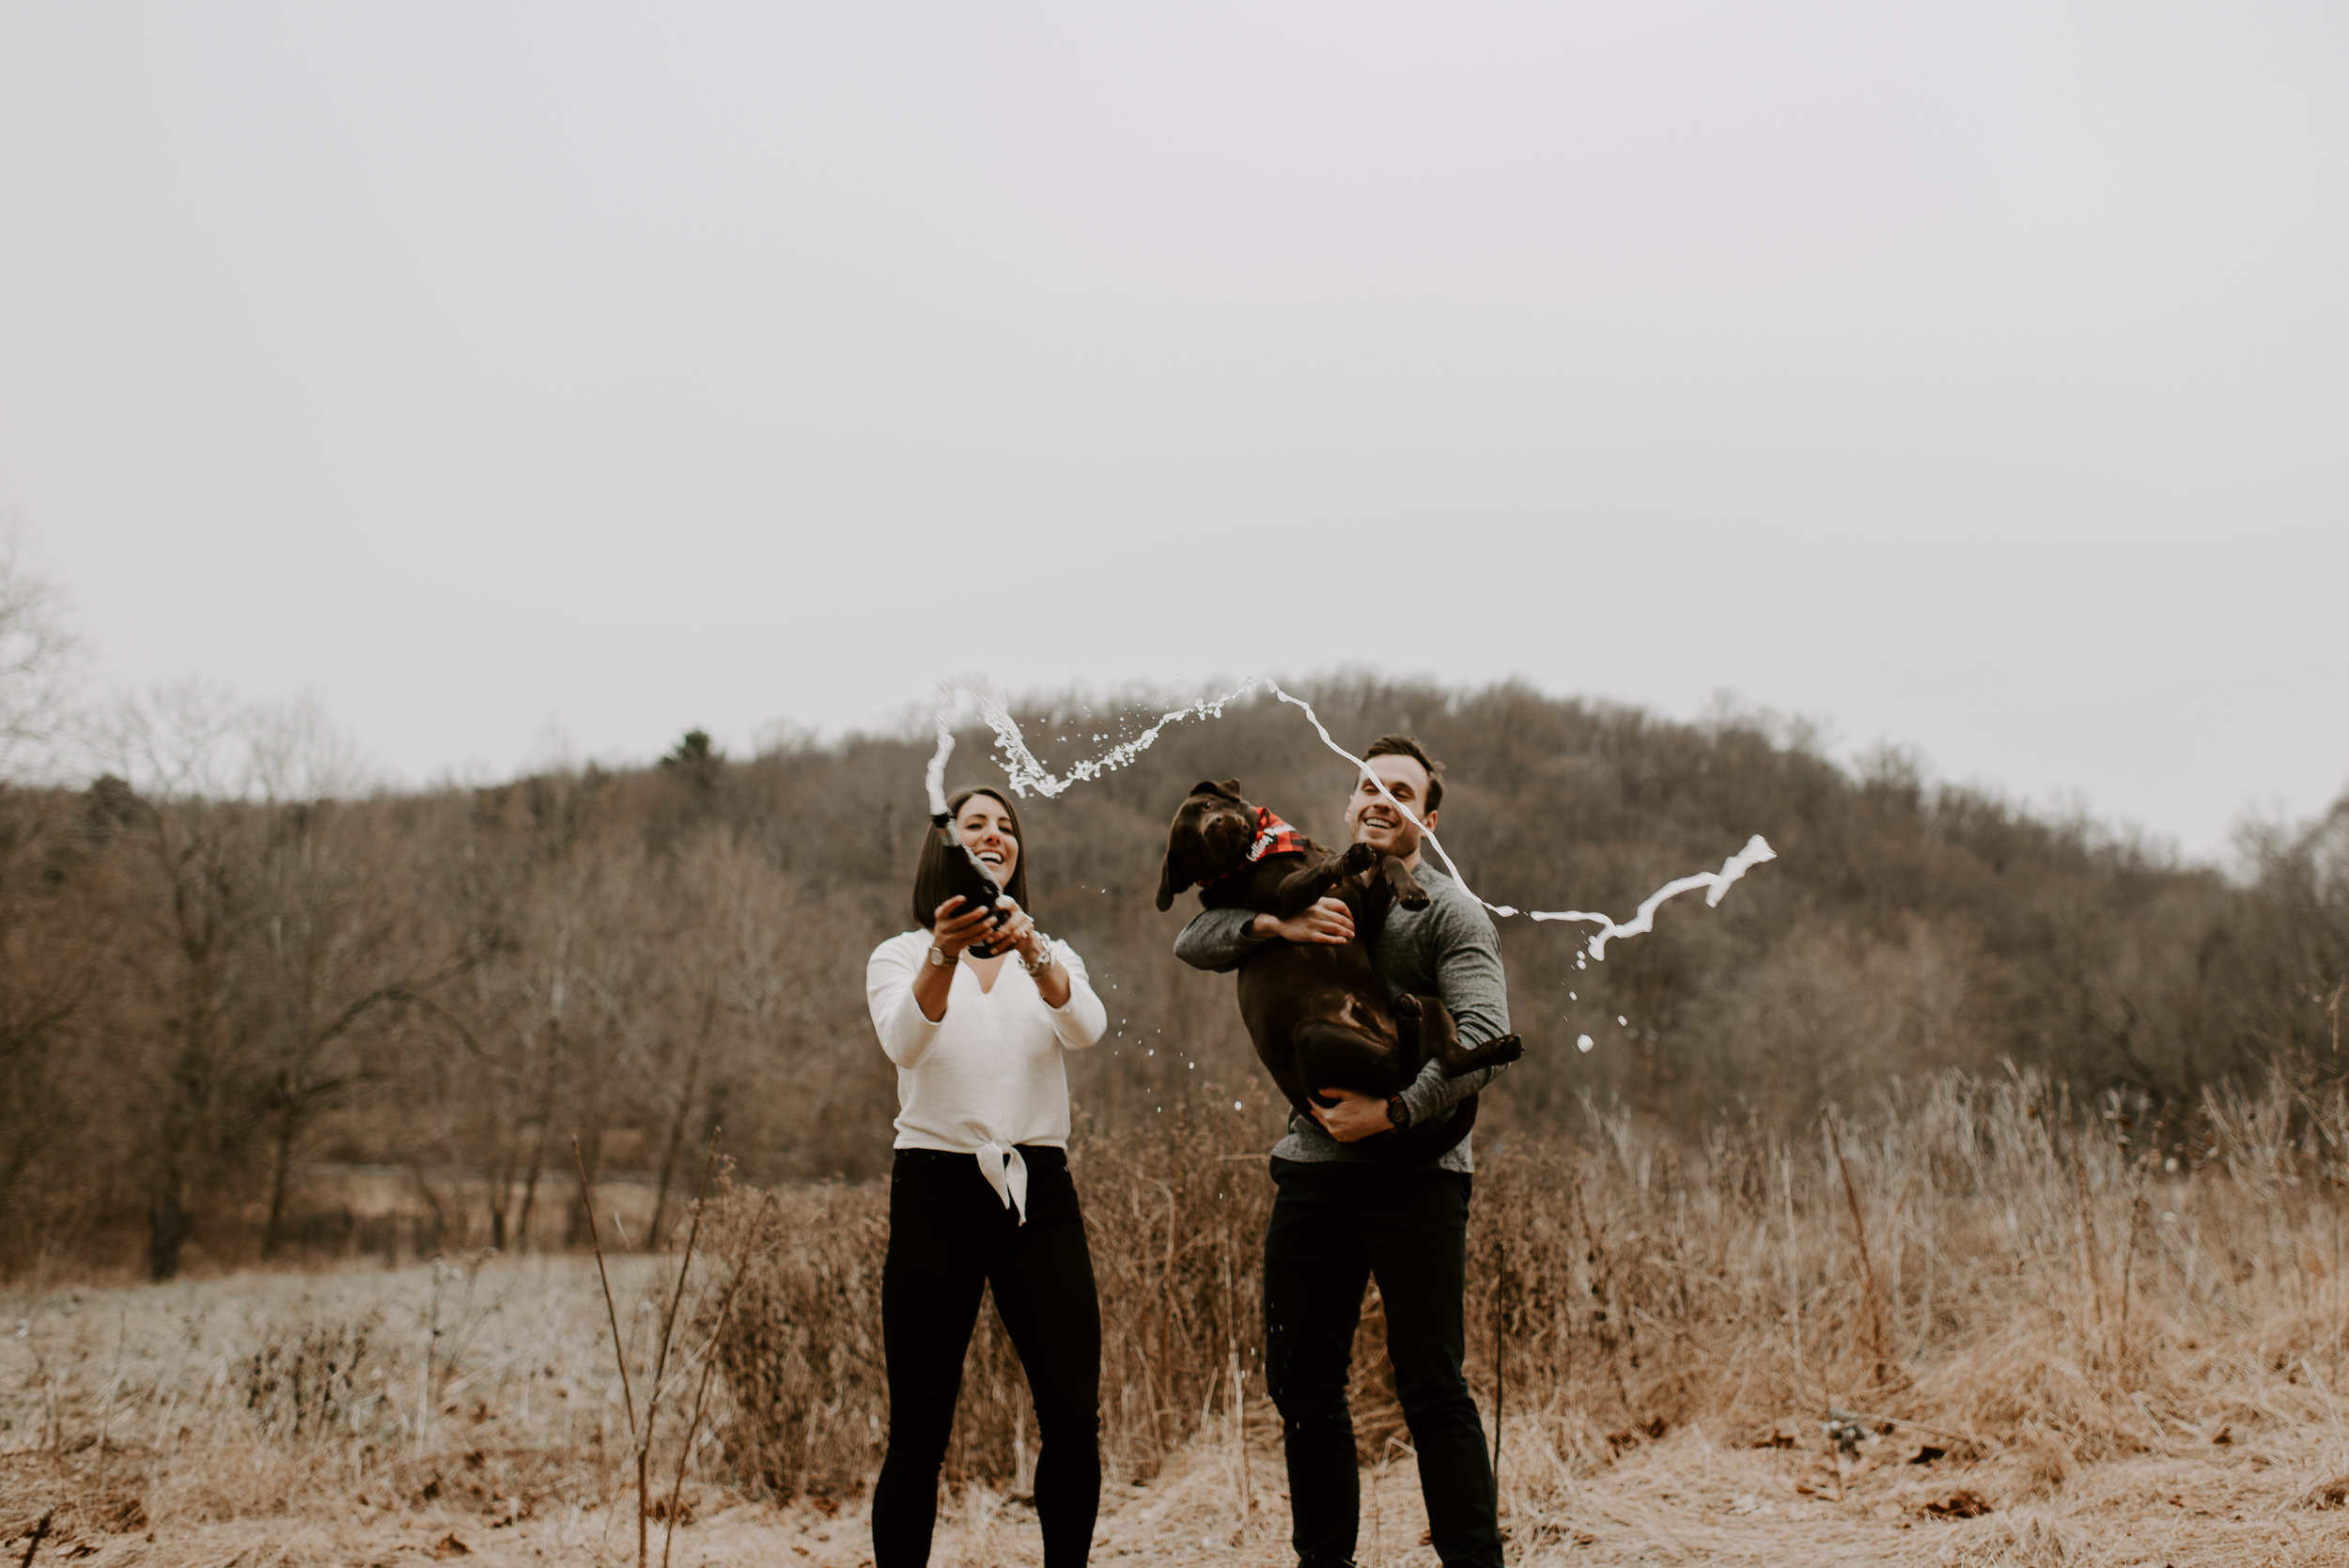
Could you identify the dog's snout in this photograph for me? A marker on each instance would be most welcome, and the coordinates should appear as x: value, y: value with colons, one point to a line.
x: 1229, y: 833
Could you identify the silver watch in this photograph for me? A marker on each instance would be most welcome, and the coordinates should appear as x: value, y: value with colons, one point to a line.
x: 937, y: 956
x: 1045, y: 943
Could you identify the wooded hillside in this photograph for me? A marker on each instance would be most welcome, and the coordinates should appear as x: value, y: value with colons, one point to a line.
x: 205, y: 999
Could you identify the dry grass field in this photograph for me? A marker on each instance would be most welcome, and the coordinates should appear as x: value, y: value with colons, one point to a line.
x: 2110, y: 1357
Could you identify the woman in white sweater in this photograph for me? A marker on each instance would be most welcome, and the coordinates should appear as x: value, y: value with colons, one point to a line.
x: 980, y: 1192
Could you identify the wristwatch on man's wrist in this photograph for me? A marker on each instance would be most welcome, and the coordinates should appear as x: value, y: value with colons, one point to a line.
x: 1398, y: 1114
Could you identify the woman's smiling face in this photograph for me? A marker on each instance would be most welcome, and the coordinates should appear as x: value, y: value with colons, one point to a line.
x: 984, y: 824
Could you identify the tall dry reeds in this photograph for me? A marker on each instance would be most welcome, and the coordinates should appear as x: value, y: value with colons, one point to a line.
x: 1986, y: 1260
x: 2048, y: 1296
x: 1176, y: 1223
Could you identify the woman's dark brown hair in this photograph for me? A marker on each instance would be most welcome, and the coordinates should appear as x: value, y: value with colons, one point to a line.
x: 931, y: 887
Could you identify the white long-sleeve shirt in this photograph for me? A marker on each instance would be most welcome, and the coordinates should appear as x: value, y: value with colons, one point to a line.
x: 989, y: 1075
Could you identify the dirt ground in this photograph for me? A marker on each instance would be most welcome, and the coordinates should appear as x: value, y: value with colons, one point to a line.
x: 1684, y: 1501
x: 154, y: 1425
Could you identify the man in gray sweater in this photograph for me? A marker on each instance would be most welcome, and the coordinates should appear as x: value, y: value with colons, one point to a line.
x: 1341, y: 1219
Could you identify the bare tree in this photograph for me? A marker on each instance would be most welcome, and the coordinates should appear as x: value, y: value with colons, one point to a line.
x: 295, y: 754
x: 38, y: 663
x: 335, y: 963
x: 224, y: 959
x: 269, y: 940
x: 57, y: 922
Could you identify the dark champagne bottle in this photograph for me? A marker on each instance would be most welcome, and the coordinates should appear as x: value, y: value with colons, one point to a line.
x: 969, y: 875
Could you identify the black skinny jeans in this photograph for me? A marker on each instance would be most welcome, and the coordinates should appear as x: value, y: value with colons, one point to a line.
x: 1333, y: 1227
x: 949, y: 1234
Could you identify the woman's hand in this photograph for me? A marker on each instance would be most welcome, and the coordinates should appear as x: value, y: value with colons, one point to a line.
x: 956, y: 929
x: 1021, y: 932
x: 1035, y: 954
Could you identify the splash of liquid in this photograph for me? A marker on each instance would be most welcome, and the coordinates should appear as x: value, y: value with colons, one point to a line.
x: 934, y: 776
x: 1028, y: 773
x: 1757, y: 849
x: 968, y: 693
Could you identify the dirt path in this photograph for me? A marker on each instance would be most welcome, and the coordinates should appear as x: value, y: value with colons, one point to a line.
x: 159, y: 1426
x: 1686, y: 1500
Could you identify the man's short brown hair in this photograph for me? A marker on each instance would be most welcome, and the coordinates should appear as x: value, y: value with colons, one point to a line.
x: 1408, y: 746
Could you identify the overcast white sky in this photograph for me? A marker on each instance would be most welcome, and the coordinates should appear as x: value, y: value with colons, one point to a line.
x: 1973, y: 377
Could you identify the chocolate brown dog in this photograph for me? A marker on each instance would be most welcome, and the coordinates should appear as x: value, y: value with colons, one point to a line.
x: 1318, y: 1011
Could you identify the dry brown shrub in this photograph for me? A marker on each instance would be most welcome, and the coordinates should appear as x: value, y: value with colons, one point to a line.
x: 801, y: 1353
x: 1176, y: 1242
x: 2005, y: 1269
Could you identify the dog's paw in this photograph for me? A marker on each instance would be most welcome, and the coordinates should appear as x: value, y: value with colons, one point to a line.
x: 1406, y: 1006
x: 1415, y: 899
x: 1358, y: 857
x: 1500, y: 1052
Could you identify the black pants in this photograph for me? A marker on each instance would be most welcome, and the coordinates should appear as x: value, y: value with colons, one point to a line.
x: 1335, y: 1226
x: 949, y: 1234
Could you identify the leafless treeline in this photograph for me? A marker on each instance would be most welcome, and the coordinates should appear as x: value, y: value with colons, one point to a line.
x: 207, y: 994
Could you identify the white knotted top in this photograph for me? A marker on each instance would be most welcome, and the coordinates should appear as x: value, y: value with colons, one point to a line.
x: 1006, y: 1171
x: 988, y: 1075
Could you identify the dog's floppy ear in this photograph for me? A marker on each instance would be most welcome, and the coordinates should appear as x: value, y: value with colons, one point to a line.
x: 1174, y: 874
x: 1228, y: 788
x: 1180, y: 868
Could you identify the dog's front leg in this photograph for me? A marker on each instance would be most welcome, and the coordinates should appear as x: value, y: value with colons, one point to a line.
x: 1408, y: 892
x: 1299, y: 888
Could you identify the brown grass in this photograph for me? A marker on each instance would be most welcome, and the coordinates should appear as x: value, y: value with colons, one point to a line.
x: 2117, y: 1362
x: 1990, y: 1262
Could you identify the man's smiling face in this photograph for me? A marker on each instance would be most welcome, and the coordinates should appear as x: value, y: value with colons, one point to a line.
x: 1375, y: 820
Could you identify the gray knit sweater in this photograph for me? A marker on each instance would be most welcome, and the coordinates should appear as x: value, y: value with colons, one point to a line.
x: 1448, y: 950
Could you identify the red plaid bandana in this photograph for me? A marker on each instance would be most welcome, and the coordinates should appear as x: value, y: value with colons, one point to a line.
x: 1273, y: 837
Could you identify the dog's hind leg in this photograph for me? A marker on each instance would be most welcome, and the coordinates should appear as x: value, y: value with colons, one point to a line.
x: 1492, y: 1053
x: 1425, y: 1027
x: 1429, y: 1035
x: 1332, y: 1055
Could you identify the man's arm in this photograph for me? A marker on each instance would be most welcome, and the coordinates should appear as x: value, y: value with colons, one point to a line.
x: 1470, y: 982
x: 1220, y: 939
x: 1216, y: 939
